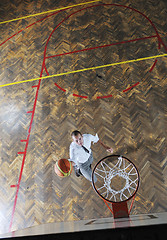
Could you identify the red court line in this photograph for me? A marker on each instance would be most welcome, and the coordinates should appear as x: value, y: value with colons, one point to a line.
x: 108, y: 96
x: 103, y: 46
x: 76, y: 95
x: 46, y: 69
x: 60, y: 87
x: 32, y: 25
x: 161, y: 42
x: 153, y: 65
x: 21, y: 153
x: 28, y: 137
x: 25, y: 152
x: 55, y: 83
x: 18, y: 186
x: 23, y: 140
x: 131, y: 87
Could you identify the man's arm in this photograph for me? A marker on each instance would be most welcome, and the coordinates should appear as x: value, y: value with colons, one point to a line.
x: 72, y: 156
x: 96, y: 139
x: 106, y: 147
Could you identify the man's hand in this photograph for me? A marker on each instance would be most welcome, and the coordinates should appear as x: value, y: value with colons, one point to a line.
x: 106, y: 147
x: 110, y: 150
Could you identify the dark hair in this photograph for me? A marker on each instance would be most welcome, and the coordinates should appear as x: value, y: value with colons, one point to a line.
x: 76, y: 133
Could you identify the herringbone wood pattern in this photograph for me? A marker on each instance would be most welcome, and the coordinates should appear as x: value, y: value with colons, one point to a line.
x: 133, y: 122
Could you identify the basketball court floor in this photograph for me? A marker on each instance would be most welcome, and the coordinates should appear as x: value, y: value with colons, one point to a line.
x: 99, y: 67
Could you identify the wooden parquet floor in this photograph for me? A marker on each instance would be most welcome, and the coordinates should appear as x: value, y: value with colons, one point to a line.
x: 37, y: 117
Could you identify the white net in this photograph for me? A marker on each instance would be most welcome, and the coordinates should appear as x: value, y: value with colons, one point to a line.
x: 117, y: 179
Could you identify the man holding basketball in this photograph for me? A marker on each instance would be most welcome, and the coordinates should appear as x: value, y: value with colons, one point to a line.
x: 81, y: 153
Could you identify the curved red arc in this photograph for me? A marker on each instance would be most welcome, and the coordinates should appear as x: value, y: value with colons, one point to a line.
x: 153, y: 65
x: 107, y: 96
x: 118, y: 5
x: 76, y: 95
x: 131, y: 87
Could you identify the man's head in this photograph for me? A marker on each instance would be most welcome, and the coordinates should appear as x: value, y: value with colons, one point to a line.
x: 77, y: 137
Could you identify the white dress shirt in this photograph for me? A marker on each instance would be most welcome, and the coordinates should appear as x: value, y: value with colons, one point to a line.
x: 77, y: 153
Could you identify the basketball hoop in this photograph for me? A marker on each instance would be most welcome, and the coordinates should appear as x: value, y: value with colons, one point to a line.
x: 117, y: 181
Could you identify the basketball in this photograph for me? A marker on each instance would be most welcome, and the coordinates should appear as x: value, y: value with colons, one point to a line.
x: 63, y: 168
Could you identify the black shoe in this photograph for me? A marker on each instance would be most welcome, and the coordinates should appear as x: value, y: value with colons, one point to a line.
x: 77, y: 171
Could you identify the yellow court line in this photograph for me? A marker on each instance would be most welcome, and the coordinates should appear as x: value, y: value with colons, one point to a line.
x: 84, y: 69
x: 54, y: 10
